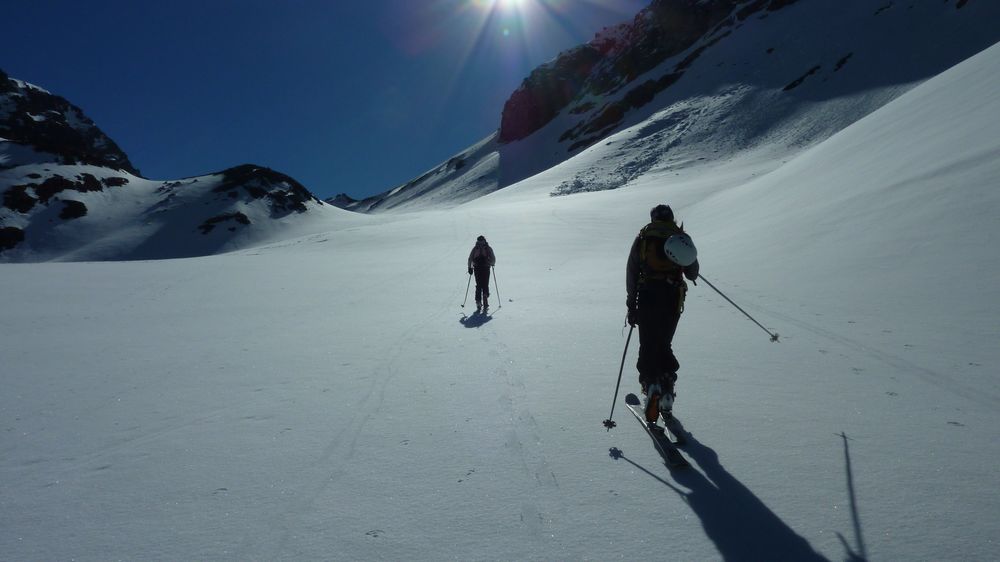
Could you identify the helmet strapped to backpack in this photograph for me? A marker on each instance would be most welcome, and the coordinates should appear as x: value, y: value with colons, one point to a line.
x: 664, y: 248
x: 654, y: 263
x: 680, y: 249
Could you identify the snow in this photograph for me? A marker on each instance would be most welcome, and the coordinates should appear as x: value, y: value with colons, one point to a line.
x: 13, y: 154
x: 147, y: 219
x: 78, y: 121
x: 464, y: 177
x: 326, y: 397
x: 22, y: 85
x: 731, y: 94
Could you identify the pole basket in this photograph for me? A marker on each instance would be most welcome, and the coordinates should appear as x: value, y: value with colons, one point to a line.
x: 608, y: 423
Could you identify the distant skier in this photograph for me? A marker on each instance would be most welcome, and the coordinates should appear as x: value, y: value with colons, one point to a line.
x: 661, y: 256
x: 481, y: 259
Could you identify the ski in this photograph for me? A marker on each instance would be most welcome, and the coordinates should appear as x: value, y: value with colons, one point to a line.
x: 671, y: 424
x: 666, y: 447
x: 676, y: 430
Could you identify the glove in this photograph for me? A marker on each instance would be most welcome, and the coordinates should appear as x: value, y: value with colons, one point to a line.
x: 632, y: 317
x: 691, y: 272
x: 470, y: 271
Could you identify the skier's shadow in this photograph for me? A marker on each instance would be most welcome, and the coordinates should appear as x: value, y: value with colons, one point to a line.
x: 476, y: 320
x: 735, y: 519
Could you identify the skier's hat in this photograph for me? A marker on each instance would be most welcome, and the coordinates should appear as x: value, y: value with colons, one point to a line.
x: 661, y: 213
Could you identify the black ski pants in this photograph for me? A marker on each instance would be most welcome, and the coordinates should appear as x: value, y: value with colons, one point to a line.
x: 482, y: 283
x: 659, y: 311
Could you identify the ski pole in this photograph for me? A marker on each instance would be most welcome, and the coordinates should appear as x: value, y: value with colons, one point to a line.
x: 774, y: 336
x: 497, y: 285
x: 467, y: 285
x: 608, y: 423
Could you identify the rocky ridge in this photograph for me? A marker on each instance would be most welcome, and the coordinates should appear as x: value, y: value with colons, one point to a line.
x: 62, y: 179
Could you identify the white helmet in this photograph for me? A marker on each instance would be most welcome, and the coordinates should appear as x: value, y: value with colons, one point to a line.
x: 680, y: 249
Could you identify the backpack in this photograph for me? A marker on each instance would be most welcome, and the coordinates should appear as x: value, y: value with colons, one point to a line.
x: 653, y: 260
x: 481, y: 255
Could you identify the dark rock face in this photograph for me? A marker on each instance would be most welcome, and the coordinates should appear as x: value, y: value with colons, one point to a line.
x: 17, y: 199
x: 48, y: 188
x: 10, y: 237
x: 51, y: 124
x: 211, y: 223
x: 798, y: 81
x: 613, y: 61
x: 23, y: 198
x: 546, y: 91
x: 342, y: 200
x: 73, y: 210
x: 283, y: 194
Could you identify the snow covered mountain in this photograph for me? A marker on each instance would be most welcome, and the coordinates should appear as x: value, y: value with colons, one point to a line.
x: 685, y: 84
x: 697, y: 81
x: 326, y: 397
x: 464, y: 177
x: 37, y: 126
x: 68, y: 192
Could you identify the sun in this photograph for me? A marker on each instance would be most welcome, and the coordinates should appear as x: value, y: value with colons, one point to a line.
x: 502, y: 6
x: 510, y: 4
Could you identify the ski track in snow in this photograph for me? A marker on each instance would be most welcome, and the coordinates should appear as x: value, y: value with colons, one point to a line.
x: 335, y: 459
x: 942, y: 381
x: 524, y: 437
x: 107, y: 455
x: 521, y: 435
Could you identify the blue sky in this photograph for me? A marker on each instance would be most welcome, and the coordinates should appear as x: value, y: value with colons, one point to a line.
x: 354, y: 97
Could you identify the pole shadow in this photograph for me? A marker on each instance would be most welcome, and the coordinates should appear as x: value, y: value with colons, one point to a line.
x: 861, y: 554
x: 733, y: 517
x: 476, y: 320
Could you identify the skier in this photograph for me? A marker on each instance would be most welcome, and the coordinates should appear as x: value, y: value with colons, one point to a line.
x: 661, y: 256
x: 481, y: 259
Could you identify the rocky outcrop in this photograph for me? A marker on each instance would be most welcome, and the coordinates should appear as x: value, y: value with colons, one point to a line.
x: 33, y: 117
x: 614, y: 60
x: 282, y: 193
x: 66, y: 184
x: 23, y: 197
x: 545, y: 92
x: 10, y: 236
x: 211, y: 223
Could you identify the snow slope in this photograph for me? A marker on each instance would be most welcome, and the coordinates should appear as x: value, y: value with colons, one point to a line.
x: 326, y: 398
x: 464, y: 177
x: 774, y: 77
x: 83, y: 212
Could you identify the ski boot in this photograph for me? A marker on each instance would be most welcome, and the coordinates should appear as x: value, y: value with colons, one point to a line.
x: 653, y: 396
x: 666, y: 404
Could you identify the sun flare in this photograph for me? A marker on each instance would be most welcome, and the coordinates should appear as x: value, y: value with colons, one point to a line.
x: 502, y: 5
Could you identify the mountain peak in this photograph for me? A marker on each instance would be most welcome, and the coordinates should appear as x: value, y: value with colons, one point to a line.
x: 48, y: 123
x: 68, y: 192
x: 614, y: 58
